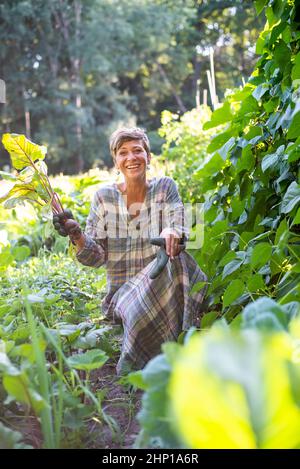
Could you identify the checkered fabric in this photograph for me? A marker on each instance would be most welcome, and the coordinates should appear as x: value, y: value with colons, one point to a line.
x: 152, y: 311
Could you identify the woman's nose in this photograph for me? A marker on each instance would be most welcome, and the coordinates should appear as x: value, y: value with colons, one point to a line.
x: 131, y: 156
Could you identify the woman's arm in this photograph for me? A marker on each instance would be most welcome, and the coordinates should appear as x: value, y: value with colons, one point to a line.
x: 92, y: 245
x: 174, y: 221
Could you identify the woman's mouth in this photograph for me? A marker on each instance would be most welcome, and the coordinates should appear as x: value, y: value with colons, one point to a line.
x: 133, y: 166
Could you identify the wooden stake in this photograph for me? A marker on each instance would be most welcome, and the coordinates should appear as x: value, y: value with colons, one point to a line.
x: 27, y: 124
x: 205, y: 97
x: 210, y: 86
x: 2, y: 92
x: 212, y: 72
x: 198, y: 94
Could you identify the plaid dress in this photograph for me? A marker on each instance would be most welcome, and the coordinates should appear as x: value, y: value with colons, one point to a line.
x: 151, y: 311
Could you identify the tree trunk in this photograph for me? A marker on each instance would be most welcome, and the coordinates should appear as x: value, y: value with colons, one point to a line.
x: 196, y: 78
x: 167, y: 81
x: 26, y: 115
x: 77, y: 82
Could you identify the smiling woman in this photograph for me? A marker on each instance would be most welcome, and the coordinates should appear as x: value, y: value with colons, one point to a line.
x: 132, y: 159
x: 130, y: 150
x: 121, y: 221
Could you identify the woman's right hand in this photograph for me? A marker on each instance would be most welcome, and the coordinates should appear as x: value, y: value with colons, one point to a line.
x: 172, y: 242
x: 65, y: 224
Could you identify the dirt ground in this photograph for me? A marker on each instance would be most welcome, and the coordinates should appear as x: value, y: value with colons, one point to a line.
x: 118, y: 430
x: 120, y: 404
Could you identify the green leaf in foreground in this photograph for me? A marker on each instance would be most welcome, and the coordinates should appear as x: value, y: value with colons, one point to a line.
x: 230, y: 400
x: 18, y: 386
x: 235, y: 264
x: 153, y: 417
x: 89, y: 360
x: 10, y: 439
x: 266, y: 314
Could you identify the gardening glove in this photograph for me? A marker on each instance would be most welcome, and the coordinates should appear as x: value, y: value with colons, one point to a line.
x: 65, y: 224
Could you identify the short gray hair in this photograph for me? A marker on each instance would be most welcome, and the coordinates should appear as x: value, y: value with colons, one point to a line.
x: 125, y: 134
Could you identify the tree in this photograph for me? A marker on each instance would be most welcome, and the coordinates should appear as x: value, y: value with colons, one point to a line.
x: 75, y: 70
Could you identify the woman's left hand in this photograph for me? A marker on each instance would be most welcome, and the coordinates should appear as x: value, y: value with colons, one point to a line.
x: 172, y: 242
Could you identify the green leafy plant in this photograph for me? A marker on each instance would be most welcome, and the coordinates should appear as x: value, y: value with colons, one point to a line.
x: 45, y: 374
x: 31, y: 183
x: 185, y: 147
x: 156, y: 427
x: 49, y: 386
x: 232, y: 374
x: 248, y: 180
x: 47, y: 383
x: 230, y: 401
x: 249, y: 183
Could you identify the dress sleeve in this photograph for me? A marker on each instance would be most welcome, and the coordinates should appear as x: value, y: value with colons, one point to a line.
x: 174, y: 213
x: 94, y: 252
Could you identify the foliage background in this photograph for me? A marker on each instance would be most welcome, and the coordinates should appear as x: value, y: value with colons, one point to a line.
x: 75, y: 70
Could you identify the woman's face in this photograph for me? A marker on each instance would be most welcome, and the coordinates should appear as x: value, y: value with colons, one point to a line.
x: 132, y: 159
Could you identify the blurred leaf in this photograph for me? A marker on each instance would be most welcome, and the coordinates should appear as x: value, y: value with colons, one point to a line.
x: 10, y: 439
x: 237, y: 406
x: 33, y: 298
x: 21, y: 253
x: 89, y: 360
x: 136, y: 379
x: 259, y: 5
x: 296, y: 220
x: 153, y: 415
x: 218, y: 141
x: 18, y: 387
x: 265, y: 314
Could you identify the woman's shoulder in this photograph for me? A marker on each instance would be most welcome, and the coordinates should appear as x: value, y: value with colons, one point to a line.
x: 109, y: 192
x: 164, y: 183
x: 106, y: 192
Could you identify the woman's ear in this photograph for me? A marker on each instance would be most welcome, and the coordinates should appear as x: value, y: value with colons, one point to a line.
x: 148, y: 158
